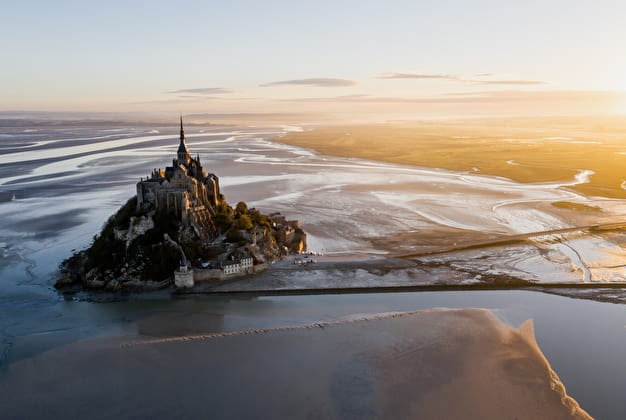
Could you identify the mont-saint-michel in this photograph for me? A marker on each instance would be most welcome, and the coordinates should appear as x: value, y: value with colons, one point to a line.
x: 63, y: 181
x: 180, y: 229
x: 469, y: 211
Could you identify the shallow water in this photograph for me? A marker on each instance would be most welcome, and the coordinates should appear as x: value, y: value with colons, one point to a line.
x: 583, y: 340
x: 58, y: 186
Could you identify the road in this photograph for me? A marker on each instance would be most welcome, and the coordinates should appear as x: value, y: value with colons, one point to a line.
x: 513, y: 239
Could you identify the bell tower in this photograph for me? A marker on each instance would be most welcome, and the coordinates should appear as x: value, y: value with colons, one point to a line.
x: 183, y: 153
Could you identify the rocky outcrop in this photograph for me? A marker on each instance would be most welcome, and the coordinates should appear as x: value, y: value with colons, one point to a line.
x: 144, y: 251
x: 177, y: 221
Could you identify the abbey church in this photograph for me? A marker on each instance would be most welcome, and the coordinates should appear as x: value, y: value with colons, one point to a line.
x: 140, y: 245
x: 184, y: 190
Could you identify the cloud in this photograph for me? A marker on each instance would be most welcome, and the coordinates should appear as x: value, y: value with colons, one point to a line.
x: 457, y: 78
x: 196, y: 99
x: 167, y: 101
x: 342, y: 98
x: 502, y: 96
x: 202, y: 91
x: 506, y: 82
x: 417, y: 76
x: 545, y: 95
x: 316, y: 82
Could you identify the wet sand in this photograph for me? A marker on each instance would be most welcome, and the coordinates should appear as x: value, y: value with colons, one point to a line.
x: 344, y: 205
x: 528, y: 150
x: 343, y: 370
x: 426, y: 364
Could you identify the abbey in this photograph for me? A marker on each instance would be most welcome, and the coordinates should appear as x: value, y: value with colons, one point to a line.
x: 179, y: 223
x: 183, y: 190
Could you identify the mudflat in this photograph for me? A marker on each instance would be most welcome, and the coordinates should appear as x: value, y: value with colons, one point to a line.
x: 427, y: 364
x: 528, y: 150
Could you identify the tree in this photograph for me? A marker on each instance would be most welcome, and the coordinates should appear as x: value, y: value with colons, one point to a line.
x: 223, y: 220
x: 241, y: 208
x: 234, y: 236
x: 259, y: 218
x: 244, y: 222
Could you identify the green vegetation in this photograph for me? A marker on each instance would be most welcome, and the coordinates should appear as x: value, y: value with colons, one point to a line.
x: 108, y: 252
x: 244, y: 222
x: 260, y: 219
x: 148, y: 250
x: 115, y: 264
x: 234, y: 236
x: 194, y: 251
x: 241, y: 208
x: 161, y: 262
x: 529, y: 150
x: 224, y: 217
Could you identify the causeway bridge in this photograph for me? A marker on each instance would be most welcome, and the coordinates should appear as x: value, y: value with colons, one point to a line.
x: 515, y: 239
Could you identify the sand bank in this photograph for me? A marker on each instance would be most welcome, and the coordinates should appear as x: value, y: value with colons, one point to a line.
x: 514, y: 148
x: 426, y: 364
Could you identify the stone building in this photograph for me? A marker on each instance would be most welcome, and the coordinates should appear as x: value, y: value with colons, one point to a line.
x: 183, y: 190
x: 243, y: 264
x: 183, y: 277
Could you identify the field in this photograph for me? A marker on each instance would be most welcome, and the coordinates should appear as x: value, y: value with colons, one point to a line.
x: 537, y: 150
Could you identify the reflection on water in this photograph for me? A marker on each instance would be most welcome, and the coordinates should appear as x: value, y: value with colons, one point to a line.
x: 583, y: 340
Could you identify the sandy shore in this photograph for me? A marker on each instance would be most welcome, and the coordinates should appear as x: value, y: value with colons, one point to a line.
x: 430, y: 364
x: 344, y: 205
x: 427, y: 364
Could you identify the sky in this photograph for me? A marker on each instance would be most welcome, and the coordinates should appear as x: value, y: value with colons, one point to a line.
x: 409, y: 58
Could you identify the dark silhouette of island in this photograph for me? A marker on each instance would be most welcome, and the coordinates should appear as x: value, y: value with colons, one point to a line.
x: 180, y: 229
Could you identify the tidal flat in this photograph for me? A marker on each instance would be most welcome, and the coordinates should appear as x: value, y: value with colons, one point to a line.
x: 527, y: 150
x: 60, y: 184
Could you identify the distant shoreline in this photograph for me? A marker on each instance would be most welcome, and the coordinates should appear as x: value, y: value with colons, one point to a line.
x: 526, y: 154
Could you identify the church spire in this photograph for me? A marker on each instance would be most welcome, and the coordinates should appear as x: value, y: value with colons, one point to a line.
x: 183, y: 153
